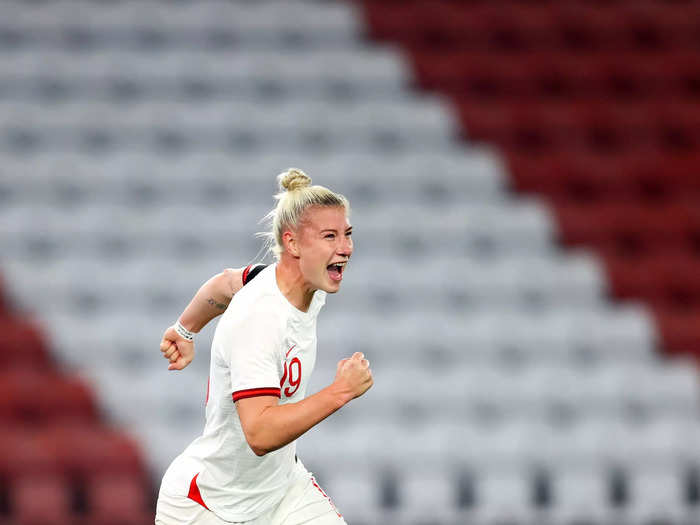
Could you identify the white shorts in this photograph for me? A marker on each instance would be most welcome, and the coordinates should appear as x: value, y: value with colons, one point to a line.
x: 304, y: 503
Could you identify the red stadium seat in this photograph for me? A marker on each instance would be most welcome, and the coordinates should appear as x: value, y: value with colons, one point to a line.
x: 683, y: 73
x: 557, y: 74
x: 118, y: 500
x: 25, y: 453
x: 396, y: 21
x: 677, y: 126
x: 610, y: 128
x: 30, y: 395
x: 582, y: 178
x: 22, y: 343
x: 519, y: 27
x: 584, y: 27
x: 665, y: 25
x: 680, y: 330
x: 625, y: 228
x: 41, y: 500
x: 627, y: 76
x: 85, y: 451
x: 469, y: 74
x: 666, y: 280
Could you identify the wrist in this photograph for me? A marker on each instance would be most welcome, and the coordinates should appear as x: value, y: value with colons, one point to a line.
x: 340, y: 394
x: 183, y: 332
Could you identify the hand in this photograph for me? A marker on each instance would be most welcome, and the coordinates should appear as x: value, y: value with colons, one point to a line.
x: 354, y: 376
x: 178, y: 351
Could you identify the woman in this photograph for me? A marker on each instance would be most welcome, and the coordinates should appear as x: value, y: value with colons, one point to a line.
x: 243, y: 469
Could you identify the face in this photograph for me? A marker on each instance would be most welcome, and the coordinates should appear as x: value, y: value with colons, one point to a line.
x: 324, y: 246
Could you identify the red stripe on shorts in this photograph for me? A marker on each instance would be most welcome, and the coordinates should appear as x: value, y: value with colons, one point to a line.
x: 313, y: 480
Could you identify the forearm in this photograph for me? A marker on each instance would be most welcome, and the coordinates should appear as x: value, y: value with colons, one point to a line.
x: 279, y: 425
x: 210, y: 301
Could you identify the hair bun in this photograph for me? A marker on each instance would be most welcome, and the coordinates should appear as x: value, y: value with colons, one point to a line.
x: 293, y: 179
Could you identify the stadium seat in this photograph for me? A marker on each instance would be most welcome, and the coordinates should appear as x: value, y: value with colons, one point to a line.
x: 425, y: 496
x: 32, y: 396
x: 29, y: 457
x: 581, y: 496
x: 630, y: 228
x: 41, y: 499
x: 679, y: 330
x: 86, y: 451
x: 22, y: 343
x: 356, y: 494
x: 505, y: 497
x: 118, y: 499
x: 657, y: 496
x: 670, y: 279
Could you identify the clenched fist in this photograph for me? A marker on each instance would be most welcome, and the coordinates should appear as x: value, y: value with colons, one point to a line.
x: 177, y: 350
x: 354, y: 376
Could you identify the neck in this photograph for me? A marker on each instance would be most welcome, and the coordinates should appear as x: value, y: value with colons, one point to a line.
x: 291, y: 283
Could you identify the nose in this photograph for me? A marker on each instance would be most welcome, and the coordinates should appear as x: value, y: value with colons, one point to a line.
x: 345, y: 248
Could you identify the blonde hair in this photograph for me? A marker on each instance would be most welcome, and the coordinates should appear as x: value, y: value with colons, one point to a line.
x: 295, y: 196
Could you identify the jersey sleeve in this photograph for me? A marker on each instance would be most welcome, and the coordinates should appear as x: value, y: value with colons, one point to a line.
x: 254, y: 355
x: 251, y: 271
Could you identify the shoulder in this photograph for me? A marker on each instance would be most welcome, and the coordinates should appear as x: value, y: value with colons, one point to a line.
x: 257, y: 304
x: 255, y: 308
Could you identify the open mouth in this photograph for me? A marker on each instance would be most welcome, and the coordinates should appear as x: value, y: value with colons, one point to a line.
x: 335, y: 271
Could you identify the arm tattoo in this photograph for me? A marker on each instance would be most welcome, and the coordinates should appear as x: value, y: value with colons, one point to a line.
x: 220, y: 306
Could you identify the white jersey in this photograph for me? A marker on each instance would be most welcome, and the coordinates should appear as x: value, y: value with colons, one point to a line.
x: 263, y: 345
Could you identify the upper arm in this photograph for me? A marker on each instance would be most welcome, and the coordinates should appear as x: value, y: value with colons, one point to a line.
x: 253, y: 347
x: 249, y: 410
x: 255, y: 365
x: 234, y: 280
x: 239, y: 277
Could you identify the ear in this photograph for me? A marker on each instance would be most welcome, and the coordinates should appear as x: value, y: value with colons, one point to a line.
x: 291, y: 242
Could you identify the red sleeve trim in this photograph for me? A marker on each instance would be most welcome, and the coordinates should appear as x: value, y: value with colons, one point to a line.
x: 245, y: 273
x: 194, y: 493
x: 255, y: 392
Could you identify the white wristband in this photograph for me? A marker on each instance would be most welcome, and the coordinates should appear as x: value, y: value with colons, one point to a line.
x: 183, y: 332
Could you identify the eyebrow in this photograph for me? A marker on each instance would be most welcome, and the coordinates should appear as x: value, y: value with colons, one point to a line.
x: 334, y: 231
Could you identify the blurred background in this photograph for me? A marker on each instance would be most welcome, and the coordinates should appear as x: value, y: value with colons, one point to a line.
x: 525, y: 183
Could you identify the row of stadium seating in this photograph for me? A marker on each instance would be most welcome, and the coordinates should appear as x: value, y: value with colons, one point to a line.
x: 587, y: 177
x: 605, y: 396
x: 105, y: 500
x: 499, y: 227
x: 140, y: 179
x: 576, y: 336
x: 559, y: 75
x: 192, y: 74
x: 521, y: 497
x: 270, y: 24
x: 518, y: 26
x: 173, y: 127
x: 351, y: 125
x: 504, y: 285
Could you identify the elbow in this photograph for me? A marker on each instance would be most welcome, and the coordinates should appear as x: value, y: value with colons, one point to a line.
x: 258, y: 448
x: 260, y: 452
x: 256, y: 445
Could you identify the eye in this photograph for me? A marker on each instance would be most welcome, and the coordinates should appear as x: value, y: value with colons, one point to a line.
x: 330, y: 236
